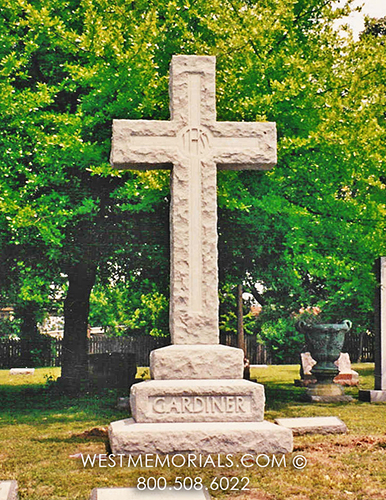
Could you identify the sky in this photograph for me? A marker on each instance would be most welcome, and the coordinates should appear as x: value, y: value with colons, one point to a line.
x: 372, y: 8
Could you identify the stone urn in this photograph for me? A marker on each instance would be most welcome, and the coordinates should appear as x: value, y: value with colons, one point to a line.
x: 325, y: 343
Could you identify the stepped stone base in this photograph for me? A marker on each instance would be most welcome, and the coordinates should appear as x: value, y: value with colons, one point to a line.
x: 196, y: 362
x: 197, y: 401
x: 130, y: 438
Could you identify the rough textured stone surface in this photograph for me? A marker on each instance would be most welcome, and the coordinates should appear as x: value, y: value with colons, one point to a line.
x: 8, y: 490
x: 22, y: 371
x: 373, y: 396
x: 135, y: 494
x: 130, y: 438
x: 197, y: 401
x: 313, y: 425
x: 197, y: 362
x: 346, y: 376
x: 194, y: 144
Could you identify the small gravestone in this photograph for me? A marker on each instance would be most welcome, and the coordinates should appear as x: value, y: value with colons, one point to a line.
x: 123, y: 403
x: 306, y: 364
x: 346, y: 375
x: 112, y: 370
x: 22, y: 371
x: 313, y: 425
x: 8, y: 490
x: 379, y: 392
x: 134, y: 494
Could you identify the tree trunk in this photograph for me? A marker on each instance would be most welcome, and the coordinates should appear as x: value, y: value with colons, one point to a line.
x: 240, y: 324
x: 81, y: 279
x: 28, y: 313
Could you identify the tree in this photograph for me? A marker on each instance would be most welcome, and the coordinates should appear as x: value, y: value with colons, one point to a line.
x: 318, y: 218
x: 56, y: 204
x: 310, y: 228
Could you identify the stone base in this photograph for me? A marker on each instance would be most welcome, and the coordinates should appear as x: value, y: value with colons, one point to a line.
x: 326, y: 393
x: 373, y: 396
x: 197, y: 401
x: 135, y: 494
x: 130, y: 438
x: 187, y: 362
x: 8, y: 490
x: 313, y: 425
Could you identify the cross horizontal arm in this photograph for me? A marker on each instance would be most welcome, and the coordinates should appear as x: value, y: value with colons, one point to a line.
x: 143, y: 144
x: 244, y: 145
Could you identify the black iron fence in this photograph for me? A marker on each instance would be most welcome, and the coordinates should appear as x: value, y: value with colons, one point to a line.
x: 47, y: 351
x: 360, y: 346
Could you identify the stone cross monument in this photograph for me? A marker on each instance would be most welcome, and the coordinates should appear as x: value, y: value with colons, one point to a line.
x: 196, y: 381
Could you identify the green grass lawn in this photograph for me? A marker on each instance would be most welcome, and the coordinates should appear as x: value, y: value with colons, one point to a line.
x: 40, y: 429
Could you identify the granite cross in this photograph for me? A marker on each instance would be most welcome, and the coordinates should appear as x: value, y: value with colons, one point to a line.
x: 193, y: 144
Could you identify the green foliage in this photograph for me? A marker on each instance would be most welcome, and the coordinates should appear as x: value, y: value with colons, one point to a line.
x: 151, y: 316
x: 120, y: 309
x: 308, y: 231
x: 284, y: 342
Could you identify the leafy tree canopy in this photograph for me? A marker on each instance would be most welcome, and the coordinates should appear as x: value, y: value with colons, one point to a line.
x: 308, y: 231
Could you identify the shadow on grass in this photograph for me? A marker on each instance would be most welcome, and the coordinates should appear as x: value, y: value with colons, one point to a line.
x: 279, y: 396
x: 366, y: 372
x: 31, y: 403
x: 282, y: 396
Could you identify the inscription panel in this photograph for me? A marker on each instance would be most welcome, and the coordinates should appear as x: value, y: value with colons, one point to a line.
x: 201, y: 405
x: 197, y: 401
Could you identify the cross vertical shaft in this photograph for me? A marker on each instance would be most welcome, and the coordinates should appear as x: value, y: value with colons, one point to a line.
x: 194, y: 287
